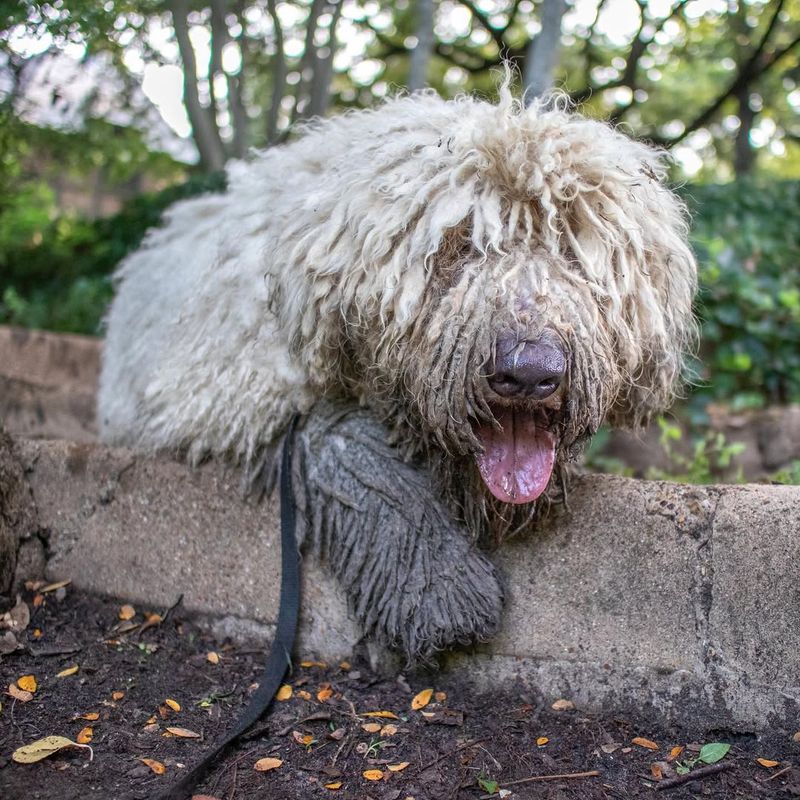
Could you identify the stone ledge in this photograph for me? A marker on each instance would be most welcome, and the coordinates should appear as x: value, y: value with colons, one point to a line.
x: 680, y: 597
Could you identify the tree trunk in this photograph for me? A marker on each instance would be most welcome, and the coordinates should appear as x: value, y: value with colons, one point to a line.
x: 421, y: 54
x: 744, y: 155
x: 204, y: 125
x: 278, y: 75
x: 542, y: 54
x: 323, y: 69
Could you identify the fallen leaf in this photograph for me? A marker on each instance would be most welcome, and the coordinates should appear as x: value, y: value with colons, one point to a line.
x: 796, y: 737
x: 563, y: 705
x: 320, y: 664
x: 325, y: 693
x: 37, y: 633
x: 117, y: 695
x: 152, y: 720
x: 422, y: 699
x: 646, y: 743
x: 345, y: 666
x: 284, y: 693
x: 656, y: 772
x: 389, y: 730
x: 52, y: 587
x: 173, y: 704
x: 266, y: 764
x: 304, y: 739
x: 184, y: 733
x: 19, y: 694
x: 381, y: 714
x: 675, y: 752
x: 487, y: 785
x: 212, y: 657
x: 126, y: 612
x: 303, y: 694
x: 767, y: 762
x: 610, y: 748
x: 38, y: 600
x: 440, y: 697
x: 542, y: 741
x: 150, y: 727
x: 91, y: 716
x: 626, y: 749
x: 712, y: 752
x: 398, y: 767
x: 373, y: 774
x: 371, y: 727
x: 334, y: 786
x: 42, y: 748
x: 337, y: 735
x: 154, y: 765
x: 65, y: 673
x: 27, y: 683
x: 85, y: 736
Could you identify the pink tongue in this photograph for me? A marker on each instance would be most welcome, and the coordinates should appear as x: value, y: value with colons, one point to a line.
x: 517, y: 461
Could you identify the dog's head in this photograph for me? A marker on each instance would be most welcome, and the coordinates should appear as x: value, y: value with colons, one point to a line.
x: 498, y: 281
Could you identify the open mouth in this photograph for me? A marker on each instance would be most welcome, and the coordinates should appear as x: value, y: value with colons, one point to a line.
x: 517, y: 460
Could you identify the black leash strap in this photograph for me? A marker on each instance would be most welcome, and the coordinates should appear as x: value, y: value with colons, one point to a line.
x: 280, y: 653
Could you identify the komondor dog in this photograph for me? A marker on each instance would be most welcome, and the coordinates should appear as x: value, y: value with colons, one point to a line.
x: 453, y: 295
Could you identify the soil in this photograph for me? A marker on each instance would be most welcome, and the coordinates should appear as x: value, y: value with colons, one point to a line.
x: 456, y: 747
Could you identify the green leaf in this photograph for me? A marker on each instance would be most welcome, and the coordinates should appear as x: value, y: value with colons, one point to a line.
x: 682, y: 769
x: 490, y: 787
x: 713, y: 752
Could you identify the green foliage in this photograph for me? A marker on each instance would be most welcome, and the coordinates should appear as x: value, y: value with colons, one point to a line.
x: 747, y: 237
x: 789, y: 475
x: 710, y: 753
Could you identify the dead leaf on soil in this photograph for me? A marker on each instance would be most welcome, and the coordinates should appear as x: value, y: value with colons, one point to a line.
x: 117, y: 695
x: 440, y: 697
x: 19, y: 694
x: 325, y: 693
x: 646, y: 743
x: 212, y: 657
x: 86, y: 735
x: 398, y: 767
x: 610, y: 748
x: 345, y: 666
x: 65, y: 673
x: 656, y: 771
x: 443, y: 716
x: 284, y: 693
x: 126, y: 612
x: 183, y: 733
x: 52, y: 587
x: 767, y: 762
x: 38, y: 600
x: 334, y: 786
x: 173, y: 704
x: 337, y: 735
x: 320, y: 664
x: 389, y: 730
x: 422, y: 699
x: 563, y: 705
x: 373, y: 774
x: 154, y: 765
x: 303, y: 694
x: 675, y: 752
x: 381, y: 714
x: 90, y: 716
x: 796, y: 737
x: 266, y: 764
x: 27, y: 683
x: 304, y: 739
x: 371, y: 727
x: 42, y: 748
x: 542, y: 741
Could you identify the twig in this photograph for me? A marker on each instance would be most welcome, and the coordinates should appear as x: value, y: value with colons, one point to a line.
x: 452, y: 752
x: 695, y: 774
x: 536, y: 778
x: 778, y: 774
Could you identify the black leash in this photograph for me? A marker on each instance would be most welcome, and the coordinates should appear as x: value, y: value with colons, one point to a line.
x: 280, y: 654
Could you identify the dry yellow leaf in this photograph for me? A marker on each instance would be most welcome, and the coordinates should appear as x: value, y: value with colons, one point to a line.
x: 325, y: 693
x: 212, y: 657
x: 52, y: 587
x: 796, y: 737
x: 42, y: 748
x: 389, y: 730
x: 65, y: 673
x: 19, y: 694
x: 304, y: 739
x: 183, y: 733
x: 173, y: 704
x: 150, y: 727
x: 334, y: 786
x: 642, y: 742
x: 767, y: 762
x: 91, y: 716
x: 126, y: 612
x: 675, y: 752
x: 27, y: 683
x: 345, y: 666
x: 373, y: 774
x: 381, y: 714
x: 37, y: 633
x: 320, y: 664
x: 542, y: 741
x: 563, y: 705
x: 266, y: 764
x: 85, y: 736
x: 656, y: 772
x: 284, y: 693
x: 38, y: 600
x: 440, y: 697
x: 303, y: 694
x: 154, y: 765
x: 371, y: 727
x: 398, y: 767
x: 152, y: 720
x: 422, y: 699
x: 117, y: 695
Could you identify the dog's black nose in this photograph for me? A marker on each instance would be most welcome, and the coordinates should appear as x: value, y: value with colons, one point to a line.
x: 532, y: 370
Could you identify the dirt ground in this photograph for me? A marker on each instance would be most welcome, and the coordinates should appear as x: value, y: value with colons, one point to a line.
x: 138, y: 678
